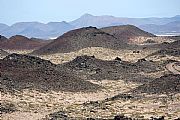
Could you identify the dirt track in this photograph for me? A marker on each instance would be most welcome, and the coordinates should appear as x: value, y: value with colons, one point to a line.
x: 173, y: 67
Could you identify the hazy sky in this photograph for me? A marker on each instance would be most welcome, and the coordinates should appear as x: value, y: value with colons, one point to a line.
x: 12, y: 11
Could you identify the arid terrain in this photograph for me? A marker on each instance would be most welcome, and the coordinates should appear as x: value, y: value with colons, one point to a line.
x: 113, y: 73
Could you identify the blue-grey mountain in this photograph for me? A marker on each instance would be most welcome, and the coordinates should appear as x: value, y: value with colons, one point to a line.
x: 50, y: 30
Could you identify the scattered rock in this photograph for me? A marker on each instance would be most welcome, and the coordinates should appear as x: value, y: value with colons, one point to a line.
x: 121, y: 96
x: 3, y: 53
x: 136, y: 51
x: 160, y: 118
x: 7, y: 108
x: 149, y: 41
x: 141, y: 60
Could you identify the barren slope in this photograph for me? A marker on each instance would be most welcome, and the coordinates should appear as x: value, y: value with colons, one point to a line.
x: 79, y: 39
x: 21, y: 43
x: 90, y: 68
x: 126, y: 32
x: 167, y: 84
x: 19, y: 72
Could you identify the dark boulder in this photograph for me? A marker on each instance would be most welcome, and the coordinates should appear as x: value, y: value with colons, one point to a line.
x: 141, y: 60
x: 121, y: 117
x: 58, y: 115
x: 118, y: 59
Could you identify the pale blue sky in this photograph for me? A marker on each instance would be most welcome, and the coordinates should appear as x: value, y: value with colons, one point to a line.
x: 12, y: 11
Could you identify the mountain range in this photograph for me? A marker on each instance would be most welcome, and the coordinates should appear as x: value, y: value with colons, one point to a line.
x: 158, y: 26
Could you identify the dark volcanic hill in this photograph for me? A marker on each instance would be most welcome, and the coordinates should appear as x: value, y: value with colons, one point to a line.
x: 18, y: 72
x: 90, y: 68
x: 163, y: 52
x: 174, y: 44
x: 165, y: 45
x: 165, y: 84
x: 19, y: 42
x: 126, y: 32
x: 2, y: 38
x: 79, y: 39
x: 171, y: 49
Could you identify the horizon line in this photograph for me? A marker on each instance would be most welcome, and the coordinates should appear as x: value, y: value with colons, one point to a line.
x: 84, y: 15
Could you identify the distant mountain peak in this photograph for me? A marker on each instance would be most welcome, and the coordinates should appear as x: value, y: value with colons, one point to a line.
x: 62, y: 22
x: 18, y: 36
x: 87, y: 15
x: 177, y: 16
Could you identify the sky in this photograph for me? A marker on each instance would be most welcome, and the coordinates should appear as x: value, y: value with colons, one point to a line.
x: 12, y: 11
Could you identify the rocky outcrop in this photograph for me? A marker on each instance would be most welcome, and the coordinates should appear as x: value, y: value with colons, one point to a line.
x: 19, y: 72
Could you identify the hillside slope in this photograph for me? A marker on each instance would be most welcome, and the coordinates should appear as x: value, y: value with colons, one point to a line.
x: 19, y: 42
x: 125, y: 32
x: 38, y: 74
x: 79, y: 39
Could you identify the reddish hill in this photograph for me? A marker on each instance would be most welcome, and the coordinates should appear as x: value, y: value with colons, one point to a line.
x: 125, y: 32
x: 79, y: 39
x: 19, y: 42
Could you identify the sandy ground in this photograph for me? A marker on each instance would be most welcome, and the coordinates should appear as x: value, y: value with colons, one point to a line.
x: 172, y: 67
x: 154, y: 105
x: 141, y: 40
x: 35, y: 105
x: 98, y: 52
x: 19, y: 51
